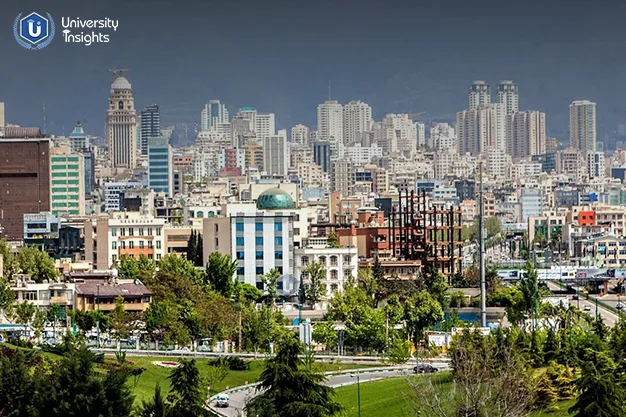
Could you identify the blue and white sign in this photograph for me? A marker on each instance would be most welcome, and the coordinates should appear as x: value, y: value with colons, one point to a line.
x: 33, y: 31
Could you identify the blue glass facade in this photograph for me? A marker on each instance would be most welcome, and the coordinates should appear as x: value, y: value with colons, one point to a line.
x: 160, y: 165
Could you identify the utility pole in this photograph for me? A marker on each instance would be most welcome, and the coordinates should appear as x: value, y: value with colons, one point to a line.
x: 481, y: 234
x: 98, y: 316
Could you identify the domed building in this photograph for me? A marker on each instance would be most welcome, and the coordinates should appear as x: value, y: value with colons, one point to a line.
x: 275, y: 199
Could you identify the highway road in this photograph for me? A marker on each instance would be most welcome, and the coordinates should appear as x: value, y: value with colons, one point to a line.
x: 609, y: 317
x: 238, y: 399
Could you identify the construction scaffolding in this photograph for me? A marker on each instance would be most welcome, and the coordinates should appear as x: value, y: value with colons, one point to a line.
x: 419, y: 230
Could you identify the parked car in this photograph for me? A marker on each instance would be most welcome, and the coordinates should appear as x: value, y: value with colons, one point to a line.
x: 424, y: 368
x: 222, y: 401
x: 586, y: 308
x: 619, y: 306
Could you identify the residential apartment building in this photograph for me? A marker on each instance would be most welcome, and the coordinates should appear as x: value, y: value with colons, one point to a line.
x: 67, y: 193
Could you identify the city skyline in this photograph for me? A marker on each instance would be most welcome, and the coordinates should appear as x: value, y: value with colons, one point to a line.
x: 432, y: 75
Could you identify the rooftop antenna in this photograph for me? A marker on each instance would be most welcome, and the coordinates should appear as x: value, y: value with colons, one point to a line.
x: 118, y: 72
x: 329, y: 91
x: 44, y: 118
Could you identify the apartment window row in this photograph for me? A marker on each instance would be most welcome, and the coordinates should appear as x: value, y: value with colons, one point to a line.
x: 131, y: 231
x: 131, y: 244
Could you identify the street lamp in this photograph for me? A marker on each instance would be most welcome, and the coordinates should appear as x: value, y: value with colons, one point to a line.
x: 98, y: 315
x: 358, y: 392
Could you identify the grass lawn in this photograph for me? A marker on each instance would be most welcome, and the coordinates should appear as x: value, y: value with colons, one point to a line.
x: 389, y: 398
x: 153, y: 374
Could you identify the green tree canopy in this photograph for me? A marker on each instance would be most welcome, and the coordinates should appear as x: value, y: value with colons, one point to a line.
x: 220, y: 273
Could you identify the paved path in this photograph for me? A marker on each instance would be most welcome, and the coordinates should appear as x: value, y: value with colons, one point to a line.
x: 238, y: 399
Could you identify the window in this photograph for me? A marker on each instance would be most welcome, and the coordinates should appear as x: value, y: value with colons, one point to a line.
x: 346, y: 259
x: 30, y: 295
x: 241, y: 270
x: 279, y: 254
x: 347, y: 273
x: 238, y: 226
x: 278, y: 226
x: 259, y: 254
x: 258, y: 241
x: 305, y: 260
x: 158, y: 244
x: 149, y: 244
x: 304, y: 275
x: 141, y: 244
x: 259, y: 285
x: 322, y: 260
x: 279, y: 269
x: 113, y: 231
x: 122, y: 232
x: 114, y: 258
x: 258, y: 227
x: 217, y: 228
x: 114, y: 245
x: 333, y: 260
x: 149, y: 231
x: 158, y: 230
x: 131, y: 245
x: 279, y: 285
x: 259, y: 270
x: 158, y: 256
x: 123, y: 244
x: 278, y: 241
x: 334, y: 274
x: 333, y: 288
x: 240, y: 255
x: 239, y: 241
x: 150, y: 255
x: 141, y: 231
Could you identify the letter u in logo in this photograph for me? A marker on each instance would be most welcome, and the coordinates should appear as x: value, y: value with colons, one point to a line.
x: 31, y: 28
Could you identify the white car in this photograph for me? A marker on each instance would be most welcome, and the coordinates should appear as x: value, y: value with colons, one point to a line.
x: 222, y: 401
x: 586, y: 308
x: 619, y: 306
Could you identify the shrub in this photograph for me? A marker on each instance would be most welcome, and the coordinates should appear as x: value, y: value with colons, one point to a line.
x: 234, y: 363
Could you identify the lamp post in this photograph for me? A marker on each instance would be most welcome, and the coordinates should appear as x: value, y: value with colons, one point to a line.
x: 358, y: 392
x: 98, y: 315
x: 269, y: 327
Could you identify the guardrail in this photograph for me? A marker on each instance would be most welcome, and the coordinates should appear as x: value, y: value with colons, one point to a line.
x: 330, y: 373
x: 185, y: 353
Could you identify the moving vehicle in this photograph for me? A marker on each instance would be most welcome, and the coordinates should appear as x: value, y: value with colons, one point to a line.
x: 222, y: 400
x: 619, y: 306
x: 586, y: 308
x: 424, y: 368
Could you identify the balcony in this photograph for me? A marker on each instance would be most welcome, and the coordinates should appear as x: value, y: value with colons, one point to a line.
x: 60, y: 300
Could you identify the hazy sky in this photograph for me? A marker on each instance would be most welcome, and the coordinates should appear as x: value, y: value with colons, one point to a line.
x: 279, y: 56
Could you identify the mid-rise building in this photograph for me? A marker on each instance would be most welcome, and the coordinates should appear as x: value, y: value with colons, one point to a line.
x: 526, y: 134
x: 508, y: 95
x: 399, y: 132
x: 300, y: 135
x: 420, y: 130
x: 150, y: 126
x: 481, y: 128
x: 275, y: 154
x: 595, y: 165
x: 78, y: 139
x: 442, y: 136
x: 68, y: 182
x: 24, y: 178
x: 113, y: 192
x: 321, y: 155
x: 213, y: 114
x: 330, y: 121
x: 266, y: 125
x: 357, y: 118
x: 107, y: 238
x: 479, y: 94
x: 121, y: 122
x: 582, y: 126
x: 160, y: 169
x: 254, y: 155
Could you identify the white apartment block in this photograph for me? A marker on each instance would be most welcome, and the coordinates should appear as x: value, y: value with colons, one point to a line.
x: 213, y: 114
x: 206, y: 164
x: 363, y: 154
x: 508, y: 94
x: 481, y: 129
x: 479, y: 94
x: 582, y: 126
x: 442, y: 136
x: 498, y: 163
x: 342, y: 176
x: 300, y: 135
x: 311, y: 174
x: 525, y: 169
x: 595, y: 165
x: 330, y: 121
x: 399, y: 128
x: 420, y: 129
x: 265, y: 125
x: 113, y: 191
x: 340, y: 264
x: 107, y: 238
x: 210, y: 137
x: 357, y: 118
x: 526, y: 133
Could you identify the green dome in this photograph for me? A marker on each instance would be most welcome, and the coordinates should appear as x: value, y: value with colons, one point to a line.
x: 275, y: 199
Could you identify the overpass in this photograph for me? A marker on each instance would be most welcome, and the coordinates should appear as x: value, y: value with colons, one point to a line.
x: 567, y: 274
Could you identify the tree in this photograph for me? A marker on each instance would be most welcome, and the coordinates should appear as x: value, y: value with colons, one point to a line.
x: 6, y: 294
x: 545, y: 394
x: 248, y: 292
x: 220, y: 272
x: 9, y: 260
x: 192, y: 247
x: 187, y: 394
x: 270, y: 280
x: 550, y: 347
x: 324, y: 333
x: 128, y: 267
x: 24, y: 312
x: 421, y: 311
x: 177, y: 265
x: 290, y: 389
x: 315, y: 289
x: 119, y: 322
x: 367, y: 281
x: 400, y: 351
x: 37, y: 264
x: 601, y: 386
x: 492, y: 226
x: 156, y: 407
x: 146, y: 266
x: 160, y: 318
x: 333, y: 240
x: 39, y: 321
x: 199, y: 261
